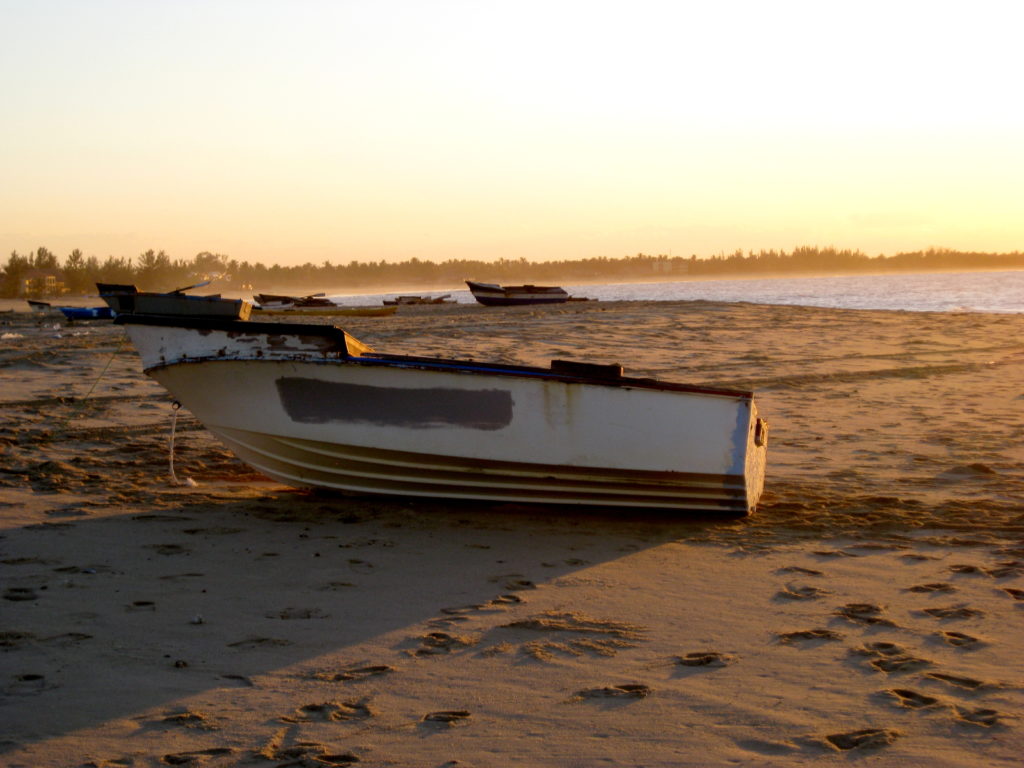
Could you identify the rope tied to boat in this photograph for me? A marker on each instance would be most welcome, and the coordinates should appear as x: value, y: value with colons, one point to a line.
x: 188, y: 481
x: 81, y: 402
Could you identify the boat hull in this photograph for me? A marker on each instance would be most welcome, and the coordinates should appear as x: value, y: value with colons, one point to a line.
x: 311, y: 413
x: 125, y: 299
x: 517, y: 301
x: 491, y: 295
x: 87, y: 313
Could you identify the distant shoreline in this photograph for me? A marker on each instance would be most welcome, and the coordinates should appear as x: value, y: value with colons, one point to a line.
x: 42, y: 271
x: 302, y: 289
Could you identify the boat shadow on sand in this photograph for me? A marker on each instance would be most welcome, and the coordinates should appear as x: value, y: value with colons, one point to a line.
x: 170, y: 594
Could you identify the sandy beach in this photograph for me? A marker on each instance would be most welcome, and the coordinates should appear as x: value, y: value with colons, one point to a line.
x: 870, y: 612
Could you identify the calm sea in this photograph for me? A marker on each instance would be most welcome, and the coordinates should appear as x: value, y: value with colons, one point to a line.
x: 927, y: 292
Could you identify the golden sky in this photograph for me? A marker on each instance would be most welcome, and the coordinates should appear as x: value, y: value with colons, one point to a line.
x: 554, y: 129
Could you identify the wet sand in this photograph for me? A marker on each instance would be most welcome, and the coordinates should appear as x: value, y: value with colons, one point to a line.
x: 871, y: 608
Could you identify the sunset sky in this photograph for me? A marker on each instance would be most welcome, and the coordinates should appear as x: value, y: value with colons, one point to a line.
x: 303, y: 131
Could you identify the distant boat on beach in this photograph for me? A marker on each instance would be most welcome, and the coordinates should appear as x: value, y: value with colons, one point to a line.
x: 314, y: 304
x: 280, y: 301
x: 70, y: 313
x: 406, y: 300
x: 492, y: 295
x: 310, y: 406
x: 127, y: 299
x: 87, y: 313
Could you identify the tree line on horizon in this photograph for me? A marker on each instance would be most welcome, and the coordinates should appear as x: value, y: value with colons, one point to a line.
x: 156, y: 271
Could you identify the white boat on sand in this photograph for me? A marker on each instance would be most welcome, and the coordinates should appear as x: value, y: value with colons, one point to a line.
x: 311, y: 406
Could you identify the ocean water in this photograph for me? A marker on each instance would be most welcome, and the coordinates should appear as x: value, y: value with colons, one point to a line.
x: 918, y: 292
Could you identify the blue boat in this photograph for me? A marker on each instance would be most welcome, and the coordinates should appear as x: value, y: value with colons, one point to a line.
x: 87, y: 313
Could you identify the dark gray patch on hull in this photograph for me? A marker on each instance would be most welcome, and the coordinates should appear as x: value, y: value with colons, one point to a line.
x: 311, y: 401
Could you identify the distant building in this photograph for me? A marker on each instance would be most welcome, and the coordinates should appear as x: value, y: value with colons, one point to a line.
x: 41, y: 282
x: 670, y: 266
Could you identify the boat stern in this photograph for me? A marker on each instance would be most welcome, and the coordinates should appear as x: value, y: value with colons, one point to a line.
x: 756, y: 458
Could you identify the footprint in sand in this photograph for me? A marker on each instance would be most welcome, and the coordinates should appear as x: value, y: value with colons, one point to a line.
x: 625, y: 691
x: 982, y: 716
x: 437, y: 643
x: 20, y: 594
x: 330, y: 711
x: 504, y: 600
x: 334, y: 586
x: 351, y: 673
x: 448, y: 717
x: 878, y: 546
x: 834, y: 553
x: 179, y: 576
x: 807, y: 635
x: 292, y: 614
x: 516, y: 585
x: 710, y: 659
x: 194, y: 757
x: 89, y: 570
x: 953, y: 612
x: 259, y: 642
x: 957, y: 681
x: 12, y: 640
x: 300, y: 753
x: 916, y: 557
x: 218, y: 530
x: 340, y: 760
x: 576, y: 633
x: 27, y: 561
x: 801, y: 570
x: 868, y: 738
x: 904, y: 697
x: 168, y: 549
x: 964, y: 569
x: 188, y: 719
x: 935, y: 586
x: 360, y: 566
x: 801, y: 593
x: 863, y: 613
x: 458, y: 610
x: 890, y: 657
x: 242, y: 680
x: 1007, y: 568
x: 28, y: 683
x: 500, y: 603
x: 959, y: 639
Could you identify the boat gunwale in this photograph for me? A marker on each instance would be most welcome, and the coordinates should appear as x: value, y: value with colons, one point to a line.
x: 451, y: 365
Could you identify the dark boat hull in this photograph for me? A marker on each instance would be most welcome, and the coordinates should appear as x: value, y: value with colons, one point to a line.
x: 491, y: 295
